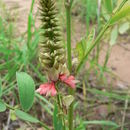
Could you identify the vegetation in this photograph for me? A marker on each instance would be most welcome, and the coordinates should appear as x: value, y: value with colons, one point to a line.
x: 47, y: 56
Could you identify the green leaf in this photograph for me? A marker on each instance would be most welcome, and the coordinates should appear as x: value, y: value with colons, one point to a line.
x: 80, y: 48
x: 114, y: 35
x: 102, y: 122
x: 83, y: 46
x: 2, y: 106
x: 25, y: 116
x: 13, y: 115
x: 121, y: 14
x: 108, y: 6
x: 67, y: 100
x: 124, y: 27
x: 26, y: 88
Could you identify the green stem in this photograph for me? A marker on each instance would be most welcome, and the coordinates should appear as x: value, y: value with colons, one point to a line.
x: 9, y: 107
x: 70, y: 114
x: 44, y: 126
x: 60, y: 104
x: 68, y: 6
x: 68, y: 18
x: 30, y: 18
x: 59, y: 100
x: 98, y: 28
x: 121, y: 5
x: 107, y: 57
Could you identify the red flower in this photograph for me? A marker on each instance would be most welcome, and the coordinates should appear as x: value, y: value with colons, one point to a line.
x: 47, y: 89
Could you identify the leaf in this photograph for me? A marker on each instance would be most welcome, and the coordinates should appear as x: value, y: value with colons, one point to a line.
x: 2, y: 106
x: 90, y: 39
x: 80, y: 49
x: 67, y: 100
x: 121, y: 14
x: 114, y: 35
x: 57, y: 122
x: 102, y: 122
x: 26, y: 88
x: 25, y: 116
x: 13, y: 115
x: 108, y: 6
x: 124, y: 27
x: 83, y: 46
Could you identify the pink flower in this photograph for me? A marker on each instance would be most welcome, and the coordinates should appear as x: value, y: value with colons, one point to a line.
x: 47, y: 89
x: 70, y: 81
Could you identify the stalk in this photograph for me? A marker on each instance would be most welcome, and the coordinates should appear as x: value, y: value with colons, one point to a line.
x: 98, y: 28
x: 60, y: 105
x: 68, y: 18
x: 68, y: 5
x: 29, y: 25
x: 107, y: 57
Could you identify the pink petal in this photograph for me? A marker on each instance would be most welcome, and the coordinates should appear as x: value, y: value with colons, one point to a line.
x: 47, y: 89
x: 44, y: 88
x: 63, y: 77
x: 70, y: 81
x: 53, y: 90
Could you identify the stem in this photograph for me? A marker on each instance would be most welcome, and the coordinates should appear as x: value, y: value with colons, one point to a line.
x: 29, y: 25
x: 68, y: 6
x: 70, y: 114
x: 9, y: 107
x: 98, y: 28
x: 68, y: 18
x: 60, y: 104
x: 61, y: 107
x: 87, y: 17
x: 121, y: 5
x: 44, y: 126
x: 107, y: 57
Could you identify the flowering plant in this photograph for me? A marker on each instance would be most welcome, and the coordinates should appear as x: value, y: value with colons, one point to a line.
x: 57, y: 68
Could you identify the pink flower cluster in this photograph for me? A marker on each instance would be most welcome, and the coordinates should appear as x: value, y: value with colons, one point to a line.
x: 49, y: 88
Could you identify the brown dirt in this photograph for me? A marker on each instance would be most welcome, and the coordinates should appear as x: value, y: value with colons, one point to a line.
x: 119, y: 59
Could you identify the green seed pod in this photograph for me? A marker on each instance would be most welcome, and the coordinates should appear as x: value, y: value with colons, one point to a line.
x: 52, y: 52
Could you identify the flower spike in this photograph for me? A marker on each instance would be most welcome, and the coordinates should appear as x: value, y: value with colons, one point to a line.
x: 52, y: 52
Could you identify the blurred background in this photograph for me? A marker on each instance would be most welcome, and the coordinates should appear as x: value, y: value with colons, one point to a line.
x: 104, y: 89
